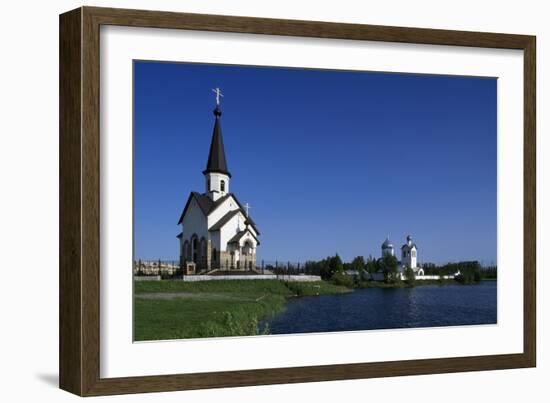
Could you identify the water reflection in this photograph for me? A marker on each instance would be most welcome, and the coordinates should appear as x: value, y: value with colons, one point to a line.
x: 377, y: 308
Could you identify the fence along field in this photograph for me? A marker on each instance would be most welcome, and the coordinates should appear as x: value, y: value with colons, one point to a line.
x: 169, y: 268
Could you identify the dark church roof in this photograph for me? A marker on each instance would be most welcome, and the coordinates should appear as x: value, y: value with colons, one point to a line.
x: 406, y: 246
x: 224, y: 220
x: 205, y: 203
x: 207, y: 206
x: 216, y: 156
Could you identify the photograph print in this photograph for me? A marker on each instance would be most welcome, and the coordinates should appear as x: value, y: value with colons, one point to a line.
x: 276, y: 201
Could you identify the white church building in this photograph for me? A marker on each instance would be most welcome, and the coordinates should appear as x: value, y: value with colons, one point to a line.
x: 217, y: 231
x: 409, y: 255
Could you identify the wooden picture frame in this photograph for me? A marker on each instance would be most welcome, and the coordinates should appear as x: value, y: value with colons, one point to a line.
x: 79, y: 201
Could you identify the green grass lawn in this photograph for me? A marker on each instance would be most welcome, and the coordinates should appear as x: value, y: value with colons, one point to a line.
x: 176, y: 309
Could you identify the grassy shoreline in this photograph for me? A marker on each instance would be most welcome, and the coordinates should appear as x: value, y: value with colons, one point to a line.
x: 169, y: 309
x: 404, y: 284
x: 214, y: 308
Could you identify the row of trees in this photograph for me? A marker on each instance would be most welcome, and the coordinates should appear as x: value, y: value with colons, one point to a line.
x: 326, y: 268
x: 332, y: 267
x: 470, y: 271
x: 489, y: 272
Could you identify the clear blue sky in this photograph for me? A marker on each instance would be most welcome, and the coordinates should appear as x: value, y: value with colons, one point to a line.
x: 330, y: 161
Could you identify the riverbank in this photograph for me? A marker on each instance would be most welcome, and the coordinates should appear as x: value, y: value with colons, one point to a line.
x: 404, y: 284
x: 416, y: 283
x: 169, y: 309
x: 354, y: 282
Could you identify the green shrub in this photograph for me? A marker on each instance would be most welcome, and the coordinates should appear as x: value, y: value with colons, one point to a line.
x: 342, y: 279
x: 409, y: 276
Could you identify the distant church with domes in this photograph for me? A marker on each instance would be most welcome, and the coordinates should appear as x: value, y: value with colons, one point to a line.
x: 217, y: 231
x: 409, y: 254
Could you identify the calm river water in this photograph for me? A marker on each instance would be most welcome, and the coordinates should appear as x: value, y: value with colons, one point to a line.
x: 378, y: 308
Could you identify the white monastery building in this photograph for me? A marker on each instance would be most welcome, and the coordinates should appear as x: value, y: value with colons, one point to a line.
x: 409, y: 255
x: 216, y: 230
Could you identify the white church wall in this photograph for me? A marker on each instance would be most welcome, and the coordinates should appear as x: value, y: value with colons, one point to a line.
x: 215, y: 184
x: 413, y: 258
x: 229, y: 230
x: 409, y: 260
x: 195, y: 222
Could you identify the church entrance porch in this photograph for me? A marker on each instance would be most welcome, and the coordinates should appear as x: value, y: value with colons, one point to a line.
x: 206, y: 258
x: 236, y: 258
x: 248, y: 256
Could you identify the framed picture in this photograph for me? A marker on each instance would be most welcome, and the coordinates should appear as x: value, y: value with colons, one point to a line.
x: 249, y: 201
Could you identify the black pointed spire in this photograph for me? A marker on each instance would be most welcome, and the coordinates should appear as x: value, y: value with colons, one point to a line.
x: 216, y: 156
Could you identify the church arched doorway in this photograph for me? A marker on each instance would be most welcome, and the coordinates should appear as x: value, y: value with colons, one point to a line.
x: 247, y: 248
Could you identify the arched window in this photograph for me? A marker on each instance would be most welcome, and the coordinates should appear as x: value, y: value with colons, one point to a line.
x: 214, y: 254
x: 194, y: 248
x: 247, y: 248
x: 222, y: 186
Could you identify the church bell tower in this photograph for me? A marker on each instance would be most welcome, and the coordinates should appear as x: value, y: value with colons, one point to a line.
x: 216, y: 173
